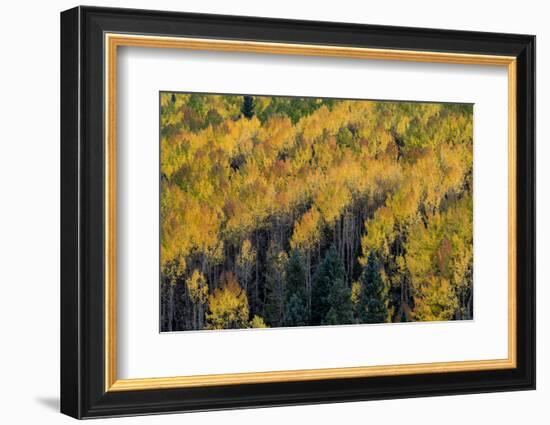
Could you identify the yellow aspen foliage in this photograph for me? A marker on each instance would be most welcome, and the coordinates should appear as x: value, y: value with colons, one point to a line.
x: 380, y: 232
x: 245, y: 261
x: 332, y: 200
x: 355, y: 293
x: 258, y: 322
x: 228, y: 305
x: 438, y: 259
x: 197, y: 287
x: 453, y: 164
x: 175, y: 269
x: 437, y: 300
x: 314, y: 125
x: 404, y: 202
x: 279, y: 132
x: 239, y: 137
x: 306, y: 231
x: 247, y: 254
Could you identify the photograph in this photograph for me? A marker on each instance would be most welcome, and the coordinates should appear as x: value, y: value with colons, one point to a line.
x: 300, y: 211
x: 262, y: 211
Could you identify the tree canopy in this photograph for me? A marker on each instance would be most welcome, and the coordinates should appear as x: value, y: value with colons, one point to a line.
x: 288, y: 211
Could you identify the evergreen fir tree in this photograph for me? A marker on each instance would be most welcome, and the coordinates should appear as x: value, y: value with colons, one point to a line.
x: 373, y: 301
x: 330, y: 271
x: 341, y: 309
x: 295, y: 309
x: 331, y: 318
x: 296, y: 314
x: 248, y: 107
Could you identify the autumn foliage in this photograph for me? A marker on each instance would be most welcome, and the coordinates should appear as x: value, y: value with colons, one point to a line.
x: 279, y: 211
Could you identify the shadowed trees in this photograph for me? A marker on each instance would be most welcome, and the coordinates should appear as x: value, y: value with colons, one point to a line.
x: 372, y: 306
x: 296, y: 313
x: 330, y: 294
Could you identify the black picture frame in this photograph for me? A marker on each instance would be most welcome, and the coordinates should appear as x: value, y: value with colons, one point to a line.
x: 83, y: 392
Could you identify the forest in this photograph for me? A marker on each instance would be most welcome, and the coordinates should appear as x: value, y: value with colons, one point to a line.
x: 289, y: 211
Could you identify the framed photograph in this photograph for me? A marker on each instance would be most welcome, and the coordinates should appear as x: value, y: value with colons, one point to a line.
x: 261, y: 212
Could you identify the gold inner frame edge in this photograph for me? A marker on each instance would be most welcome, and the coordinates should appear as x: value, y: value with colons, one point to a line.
x: 111, y: 43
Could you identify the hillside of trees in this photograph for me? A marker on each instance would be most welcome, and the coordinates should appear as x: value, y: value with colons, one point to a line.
x: 285, y: 211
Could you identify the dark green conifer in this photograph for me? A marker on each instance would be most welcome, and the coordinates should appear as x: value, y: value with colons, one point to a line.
x: 330, y: 271
x: 296, y: 302
x: 341, y: 309
x: 248, y: 107
x: 373, y: 300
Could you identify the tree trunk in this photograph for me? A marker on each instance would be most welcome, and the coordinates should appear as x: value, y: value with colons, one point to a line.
x: 171, y: 307
x: 308, y: 282
x: 201, y: 316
